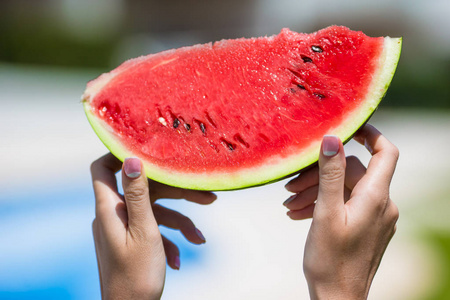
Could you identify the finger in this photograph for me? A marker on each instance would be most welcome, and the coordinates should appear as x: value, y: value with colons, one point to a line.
x: 160, y: 191
x: 172, y: 253
x: 303, y: 199
x: 302, y: 214
x: 354, y: 171
x: 105, y: 188
x: 175, y: 220
x: 330, y: 198
x: 304, y: 181
x: 384, y: 154
x: 347, y: 194
x: 137, y: 199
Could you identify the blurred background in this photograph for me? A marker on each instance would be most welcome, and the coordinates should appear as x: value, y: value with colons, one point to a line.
x: 49, y: 49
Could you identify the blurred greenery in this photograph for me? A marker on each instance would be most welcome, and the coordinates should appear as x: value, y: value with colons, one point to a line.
x: 40, y: 42
x: 39, y: 36
x: 420, y: 84
x: 439, y: 242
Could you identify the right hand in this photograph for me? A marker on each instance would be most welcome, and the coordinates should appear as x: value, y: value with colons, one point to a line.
x: 353, y: 218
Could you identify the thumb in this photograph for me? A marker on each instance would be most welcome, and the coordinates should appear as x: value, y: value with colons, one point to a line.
x: 330, y: 198
x: 136, y: 194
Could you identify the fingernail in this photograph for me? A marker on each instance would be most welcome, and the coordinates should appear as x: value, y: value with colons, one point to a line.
x: 330, y: 145
x: 289, y: 200
x: 200, y: 235
x: 210, y: 195
x: 132, y: 167
x: 287, y: 185
x: 177, y: 262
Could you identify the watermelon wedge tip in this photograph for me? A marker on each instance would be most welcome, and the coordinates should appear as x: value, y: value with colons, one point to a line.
x: 240, y: 113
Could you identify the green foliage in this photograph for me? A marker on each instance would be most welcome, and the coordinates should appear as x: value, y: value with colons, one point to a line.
x: 32, y: 39
x: 418, y: 84
x: 440, y: 243
x: 44, y: 43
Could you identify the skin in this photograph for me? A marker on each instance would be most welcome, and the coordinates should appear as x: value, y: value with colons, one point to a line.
x: 353, y: 216
x: 353, y: 221
x: 131, y: 252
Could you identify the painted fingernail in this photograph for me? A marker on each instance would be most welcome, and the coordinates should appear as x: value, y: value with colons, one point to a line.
x: 177, y: 262
x: 200, y: 235
x: 287, y: 185
x: 330, y: 145
x: 210, y: 195
x: 289, y: 200
x: 132, y: 167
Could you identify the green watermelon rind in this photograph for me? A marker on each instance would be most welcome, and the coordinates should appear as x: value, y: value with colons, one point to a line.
x: 276, y: 168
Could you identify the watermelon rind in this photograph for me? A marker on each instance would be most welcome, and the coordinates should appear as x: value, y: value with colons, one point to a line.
x: 275, y: 168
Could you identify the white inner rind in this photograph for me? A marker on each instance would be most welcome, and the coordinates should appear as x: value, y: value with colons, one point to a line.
x: 275, y: 167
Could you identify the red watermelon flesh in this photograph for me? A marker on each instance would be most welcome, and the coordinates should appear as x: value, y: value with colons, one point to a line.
x: 242, y: 112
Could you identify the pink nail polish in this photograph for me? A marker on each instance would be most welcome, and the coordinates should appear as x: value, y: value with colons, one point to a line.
x: 330, y: 145
x: 200, y: 234
x: 177, y: 262
x: 289, y: 199
x: 287, y: 185
x: 132, y: 167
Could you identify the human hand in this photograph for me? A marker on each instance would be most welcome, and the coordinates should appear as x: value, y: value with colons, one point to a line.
x: 175, y: 220
x: 353, y: 218
x: 129, y: 246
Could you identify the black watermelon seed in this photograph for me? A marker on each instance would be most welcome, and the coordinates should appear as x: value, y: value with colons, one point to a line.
x: 320, y: 96
x: 187, y: 126
x: 306, y: 59
x: 176, y: 123
x: 301, y: 86
x: 316, y: 49
x: 227, y: 144
x: 202, y: 127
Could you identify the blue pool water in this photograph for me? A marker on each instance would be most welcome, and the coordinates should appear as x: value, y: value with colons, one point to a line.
x: 47, y: 250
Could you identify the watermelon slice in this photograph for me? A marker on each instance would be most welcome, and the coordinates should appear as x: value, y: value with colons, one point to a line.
x: 244, y: 112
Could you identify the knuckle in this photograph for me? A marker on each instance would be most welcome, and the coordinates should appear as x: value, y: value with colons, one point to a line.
x: 332, y: 173
x: 94, y: 225
x: 390, y: 150
x: 94, y: 166
x: 393, y: 212
x: 101, y: 210
x: 135, y: 193
x: 351, y: 160
x: 395, y: 152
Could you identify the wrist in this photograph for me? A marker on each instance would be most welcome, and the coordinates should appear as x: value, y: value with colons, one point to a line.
x: 131, y: 289
x: 338, y: 289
